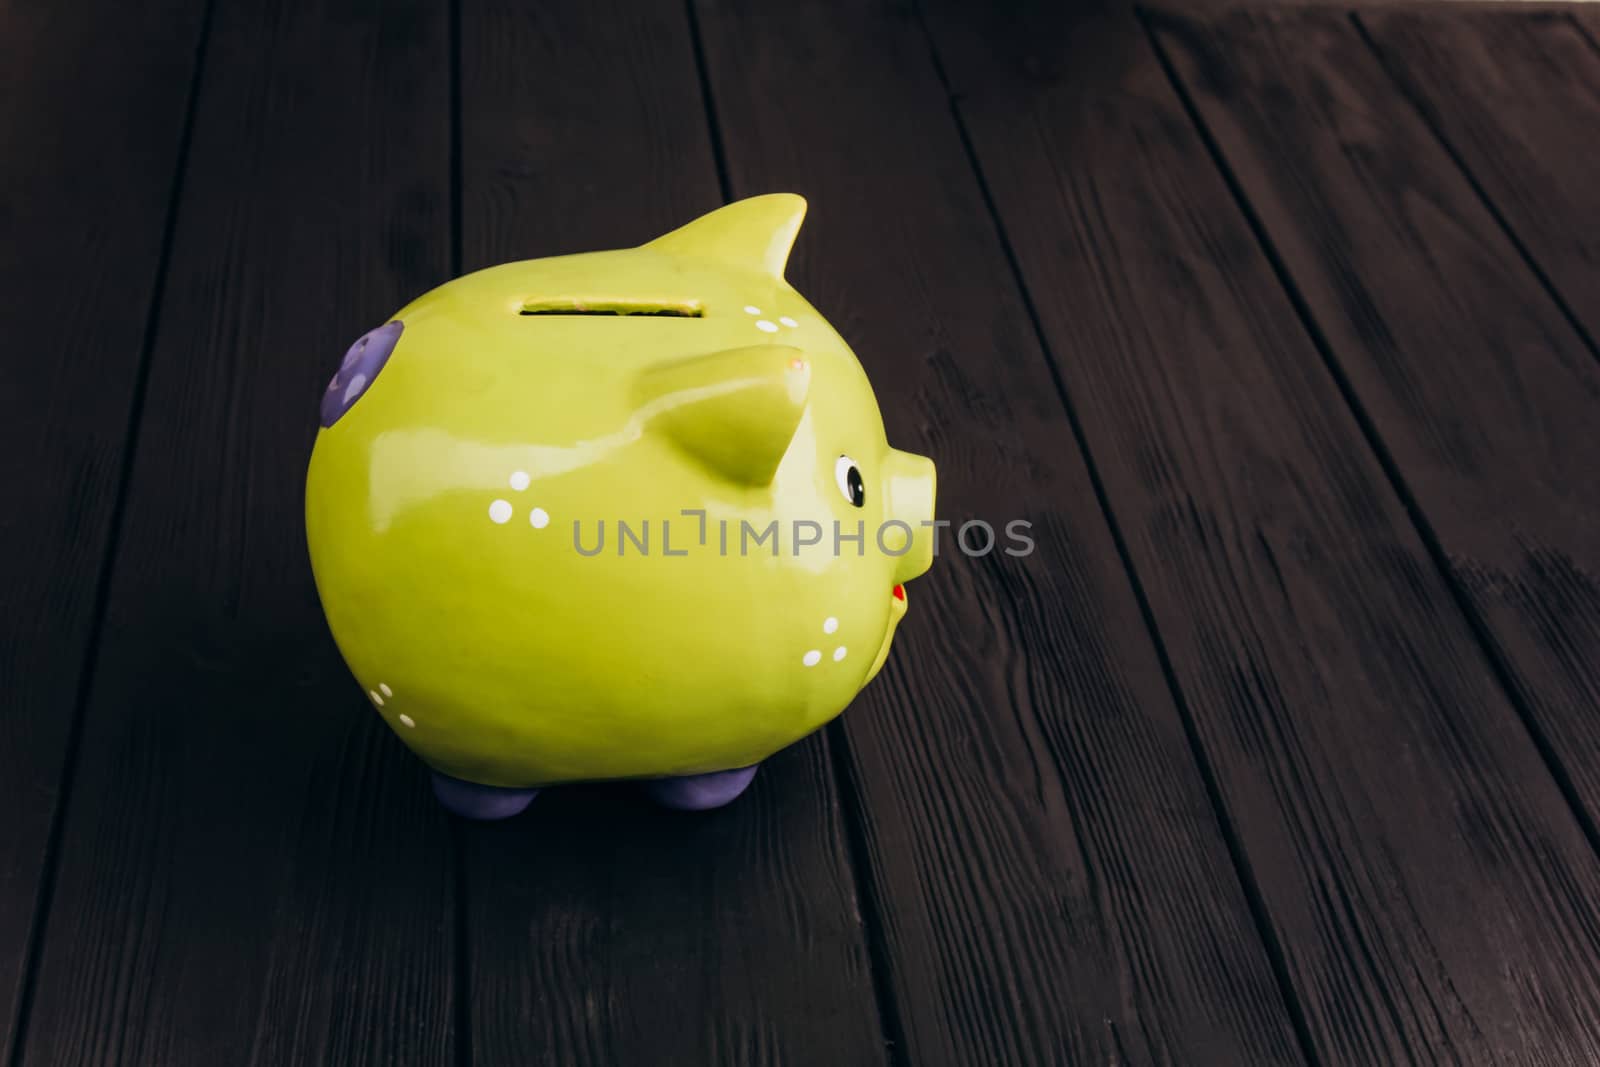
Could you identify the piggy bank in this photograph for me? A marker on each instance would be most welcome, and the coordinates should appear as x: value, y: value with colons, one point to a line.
x: 619, y: 515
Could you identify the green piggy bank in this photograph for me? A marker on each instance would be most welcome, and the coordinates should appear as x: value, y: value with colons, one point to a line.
x: 620, y: 515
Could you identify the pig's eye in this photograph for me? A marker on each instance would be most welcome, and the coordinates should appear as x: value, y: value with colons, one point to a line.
x: 848, y: 477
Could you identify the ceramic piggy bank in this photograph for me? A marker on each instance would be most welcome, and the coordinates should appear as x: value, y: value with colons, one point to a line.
x: 621, y: 515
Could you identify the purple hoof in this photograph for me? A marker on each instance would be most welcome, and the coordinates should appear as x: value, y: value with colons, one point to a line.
x: 700, y: 792
x: 358, y: 370
x: 472, y: 801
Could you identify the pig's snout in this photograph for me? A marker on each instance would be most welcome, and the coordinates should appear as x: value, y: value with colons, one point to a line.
x: 911, y: 483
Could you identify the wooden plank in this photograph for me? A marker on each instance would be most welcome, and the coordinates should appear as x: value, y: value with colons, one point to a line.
x: 92, y: 105
x: 1432, y: 891
x: 1588, y: 23
x: 1049, y: 880
x: 1484, y: 397
x: 603, y: 931
x: 1516, y: 96
x: 1518, y: 101
x: 251, y: 869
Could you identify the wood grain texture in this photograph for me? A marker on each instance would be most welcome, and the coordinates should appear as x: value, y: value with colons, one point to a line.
x: 1433, y: 892
x: 92, y: 104
x: 1588, y: 23
x: 1517, y: 99
x: 1471, y: 376
x: 1045, y: 867
x: 603, y: 931
x: 251, y: 869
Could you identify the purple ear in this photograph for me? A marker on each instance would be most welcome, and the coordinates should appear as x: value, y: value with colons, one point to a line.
x: 358, y: 369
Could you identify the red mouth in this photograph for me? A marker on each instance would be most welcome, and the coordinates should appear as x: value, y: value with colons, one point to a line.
x: 899, y: 592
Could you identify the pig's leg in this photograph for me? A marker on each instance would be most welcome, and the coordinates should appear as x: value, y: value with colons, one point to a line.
x: 700, y: 792
x: 472, y: 801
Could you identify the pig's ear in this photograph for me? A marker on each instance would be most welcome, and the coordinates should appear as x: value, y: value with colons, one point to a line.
x: 755, y: 234
x: 735, y: 411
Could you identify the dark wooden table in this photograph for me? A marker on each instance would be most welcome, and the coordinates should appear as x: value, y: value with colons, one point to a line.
x: 1279, y: 325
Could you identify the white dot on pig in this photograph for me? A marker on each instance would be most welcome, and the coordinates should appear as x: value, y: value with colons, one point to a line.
x: 407, y: 720
x: 830, y: 624
x: 539, y: 518
x: 787, y: 321
x: 812, y: 658
x: 751, y: 309
x: 376, y: 699
x: 767, y: 327
x: 838, y: 654
x: 354, y: 388
x: 519, y: 480
x: 500, y: 511
x: 385, y: 690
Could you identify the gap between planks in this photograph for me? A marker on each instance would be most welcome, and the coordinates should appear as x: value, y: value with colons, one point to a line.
x: 1503, y: 672
x: 1230, y: 834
